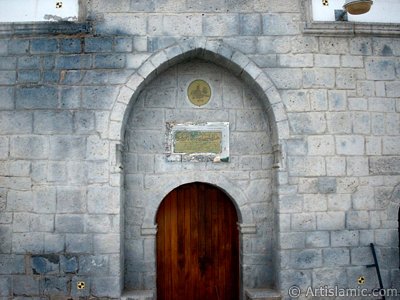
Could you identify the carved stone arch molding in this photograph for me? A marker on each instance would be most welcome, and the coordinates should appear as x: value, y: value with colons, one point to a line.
x: 219, y: 53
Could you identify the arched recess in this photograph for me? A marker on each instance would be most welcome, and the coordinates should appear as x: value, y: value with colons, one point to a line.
x: 253, y: 77
x: 210, y: 50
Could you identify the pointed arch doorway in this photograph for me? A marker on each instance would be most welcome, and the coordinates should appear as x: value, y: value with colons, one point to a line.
x: 197, y: 245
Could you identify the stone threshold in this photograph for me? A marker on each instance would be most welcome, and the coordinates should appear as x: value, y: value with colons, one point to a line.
x: 138, y: 295
x: 262, y: 294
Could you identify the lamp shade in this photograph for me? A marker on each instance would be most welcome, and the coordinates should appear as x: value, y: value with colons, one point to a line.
x: 357, y: 7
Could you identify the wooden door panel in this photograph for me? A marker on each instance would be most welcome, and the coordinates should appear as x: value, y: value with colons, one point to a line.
x: 197, y: 245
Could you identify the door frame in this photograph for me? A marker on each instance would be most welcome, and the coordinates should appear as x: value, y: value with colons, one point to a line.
x: 242, y: 229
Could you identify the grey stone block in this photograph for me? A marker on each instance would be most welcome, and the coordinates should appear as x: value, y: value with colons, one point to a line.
x: 337, y: 100
x: 70, y: 97
x: 11, y: 264
x: 182, y: 24
x: 317, y: 239
x: 25, y: 285
x: 303, y: 222
x: 123, y: 44
x: 307, y: 123
x: 327, y: 185
x: 37, y: 98
x: 340, y: 122
x: 106, y: 243
x: 8, y: 63
x: 84, y: 122
x: 3, y: 199
x: 42, y: 223
x: 18, y: 46
x: 29, y: 62
x: 98, y: 44
x: 75, y: 292
x: 54, y: 286
x: 106, y: 287
x: 98, y: 223
x: 339, y: 202
x: 32, y: 242
x: 336, y: 257
x: 361, y: 256
x: 292, y: 240
x: 45, y: 264
x: 246, y: 45
x: 54, y: 243
x: 380, y: 68
x: 13, y: 122
x: 329, y: 277
x: 287, y: 78
x: 78, y: 243
x: 93, y: 264
x: 327, y: 61
x: 250, y: 24
x: 44, y: 46
x: 28, y: 76
x: 7, y: 96
x: 5, y: 286
x: 302, y: 279
x: 350, y: 145
x: 319, y: 78
x: 306, y: 259
x: 330, y: 220
x: 70, y: 223
x: 53, y: 122
x: 280, y: 24
x: 5, y: 238
x: 109, y: 61
x: 51, y: 76
x: 71, y: 200
x: 74, y: 62
x: 72, y: 45
x: 307, y: 166
x: 314, y: 202
x: 221, y: 25
x: 321, y: 145
x: 98, y: 172
x: 357, y: 166
x: 361, y: 123
x: 69, y: 264
x: 28, y: 147
x: 7, y: 77
x: 100, y: 97
x: 291, y: 204
x: 334, y: 45
x: 67, y: 147
x: 344, y: 238
x: 72, y: 77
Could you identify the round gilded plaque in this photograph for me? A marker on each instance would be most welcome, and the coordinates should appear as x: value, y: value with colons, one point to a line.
x: 199, y: 92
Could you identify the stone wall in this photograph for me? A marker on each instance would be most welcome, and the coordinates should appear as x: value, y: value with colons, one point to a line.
x: 332, y: 104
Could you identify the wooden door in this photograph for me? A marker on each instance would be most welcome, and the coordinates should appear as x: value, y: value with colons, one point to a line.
x: 197, y: 245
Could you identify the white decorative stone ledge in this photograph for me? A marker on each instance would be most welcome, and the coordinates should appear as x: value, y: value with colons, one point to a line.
x: 247, y: 228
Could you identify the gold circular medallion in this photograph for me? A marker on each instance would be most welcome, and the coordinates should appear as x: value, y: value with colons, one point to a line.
x: 199, y: 92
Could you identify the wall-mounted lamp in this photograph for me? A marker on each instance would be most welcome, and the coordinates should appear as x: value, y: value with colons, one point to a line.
x: 353, y: 7
x: 357, y: 7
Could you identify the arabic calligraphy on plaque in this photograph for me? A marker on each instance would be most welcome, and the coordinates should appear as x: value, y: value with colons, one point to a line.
x: 197, y: 142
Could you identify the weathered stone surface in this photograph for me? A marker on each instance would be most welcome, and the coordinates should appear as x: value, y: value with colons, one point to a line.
x: 45, y: 264
x: 384, y: 165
